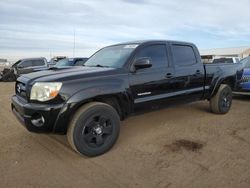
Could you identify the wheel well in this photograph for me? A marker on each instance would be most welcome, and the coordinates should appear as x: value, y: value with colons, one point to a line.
x: 113, y: 101
x: 230, y: 82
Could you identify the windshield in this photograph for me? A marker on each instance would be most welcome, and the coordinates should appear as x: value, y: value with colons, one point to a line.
x: 112, y: 56
x: 64, y: 62
x: 246, y: 62
x: 15, y: 64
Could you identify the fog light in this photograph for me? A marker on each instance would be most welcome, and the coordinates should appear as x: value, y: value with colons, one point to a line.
x: 37, y: 120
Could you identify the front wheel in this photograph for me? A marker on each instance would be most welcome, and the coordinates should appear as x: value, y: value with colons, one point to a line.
x: 221, y: 102
x: 94, y: 129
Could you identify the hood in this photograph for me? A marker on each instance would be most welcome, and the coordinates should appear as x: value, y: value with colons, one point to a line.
x: 68, y: 73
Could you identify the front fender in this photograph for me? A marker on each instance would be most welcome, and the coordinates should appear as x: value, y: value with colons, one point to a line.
x: 81, y: 91
x: 97, y: 90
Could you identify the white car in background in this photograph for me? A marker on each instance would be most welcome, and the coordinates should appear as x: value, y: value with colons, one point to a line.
x: 226, y: 60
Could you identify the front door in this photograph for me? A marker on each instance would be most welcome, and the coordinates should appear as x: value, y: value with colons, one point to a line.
x: 151, y: 83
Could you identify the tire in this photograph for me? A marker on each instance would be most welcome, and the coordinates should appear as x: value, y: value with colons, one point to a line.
x: 94, y: 129
x: 221, y: 102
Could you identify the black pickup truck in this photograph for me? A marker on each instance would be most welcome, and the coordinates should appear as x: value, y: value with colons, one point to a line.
x: 88, y: 102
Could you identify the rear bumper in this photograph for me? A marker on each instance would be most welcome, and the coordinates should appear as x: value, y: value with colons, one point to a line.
x: 40, y: 118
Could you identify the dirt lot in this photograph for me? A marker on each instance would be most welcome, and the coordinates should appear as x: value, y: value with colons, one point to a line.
x: 182, y: 146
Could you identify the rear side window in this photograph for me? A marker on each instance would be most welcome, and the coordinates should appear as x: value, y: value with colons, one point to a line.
x: 38, y: 62
x: 157, y: 53
x: 183, y: 55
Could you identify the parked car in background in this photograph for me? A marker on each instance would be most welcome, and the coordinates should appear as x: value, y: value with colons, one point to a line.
x: 53, y: 61
x: 5, y: 64
x: 23, y: 66
x: 226, y: 60
x: 77, y: 61
x: 244, y: 84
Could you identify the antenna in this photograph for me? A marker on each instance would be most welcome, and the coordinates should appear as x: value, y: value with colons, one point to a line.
x: 74, y: 42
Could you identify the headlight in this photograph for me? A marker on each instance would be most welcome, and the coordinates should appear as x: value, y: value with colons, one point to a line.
x: 44, y: 91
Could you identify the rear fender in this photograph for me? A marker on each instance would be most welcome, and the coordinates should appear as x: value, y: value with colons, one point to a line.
x: 231, y: 81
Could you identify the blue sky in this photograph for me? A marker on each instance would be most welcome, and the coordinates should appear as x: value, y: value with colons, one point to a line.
x: 46, y: 28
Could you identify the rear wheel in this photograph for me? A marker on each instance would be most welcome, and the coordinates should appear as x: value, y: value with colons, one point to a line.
x: 94, y: 129
x: 221, y: 102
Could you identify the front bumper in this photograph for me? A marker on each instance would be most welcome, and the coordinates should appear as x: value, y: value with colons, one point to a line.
x: 244, y: 89
x: 40, y: 118
x: 245, y: 86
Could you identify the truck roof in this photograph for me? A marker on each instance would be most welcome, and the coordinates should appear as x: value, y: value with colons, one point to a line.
x: 139, y: 42
x: 31, y: 58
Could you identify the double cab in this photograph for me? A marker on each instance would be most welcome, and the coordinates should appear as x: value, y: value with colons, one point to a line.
x: 88, y: 102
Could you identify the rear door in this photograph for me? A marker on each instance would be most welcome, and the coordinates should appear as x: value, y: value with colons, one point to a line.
x: 189, y: 71
x: 152, y: 83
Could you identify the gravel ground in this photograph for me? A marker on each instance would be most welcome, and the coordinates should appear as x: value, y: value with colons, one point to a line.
x: 180, y: 146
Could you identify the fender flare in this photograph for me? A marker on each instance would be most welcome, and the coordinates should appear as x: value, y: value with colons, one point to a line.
x: 219, y: 82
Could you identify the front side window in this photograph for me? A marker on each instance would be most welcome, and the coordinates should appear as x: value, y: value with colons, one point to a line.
x: 157, y: 54
x: 26, y: 64
x: 183, y: 55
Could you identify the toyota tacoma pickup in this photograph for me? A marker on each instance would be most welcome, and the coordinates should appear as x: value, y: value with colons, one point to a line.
x: 88, y: 102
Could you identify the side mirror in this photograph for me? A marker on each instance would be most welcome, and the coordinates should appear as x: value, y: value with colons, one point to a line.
x: 19, y: 66
x: 142, y: 63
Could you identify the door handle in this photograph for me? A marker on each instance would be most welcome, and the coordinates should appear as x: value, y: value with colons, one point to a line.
x: 169, y: 75
x: 198, y: 72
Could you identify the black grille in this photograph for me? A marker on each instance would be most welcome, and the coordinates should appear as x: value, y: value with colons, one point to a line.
x: 21, y: 90
x: 245, y: 78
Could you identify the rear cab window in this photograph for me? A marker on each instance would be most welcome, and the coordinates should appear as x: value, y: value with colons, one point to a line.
x: 183, y: 55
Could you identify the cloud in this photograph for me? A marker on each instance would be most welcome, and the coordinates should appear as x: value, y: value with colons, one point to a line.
x: 40, y: 28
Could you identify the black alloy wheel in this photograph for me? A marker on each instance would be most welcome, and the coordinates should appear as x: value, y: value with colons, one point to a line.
x: 94, y: 129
